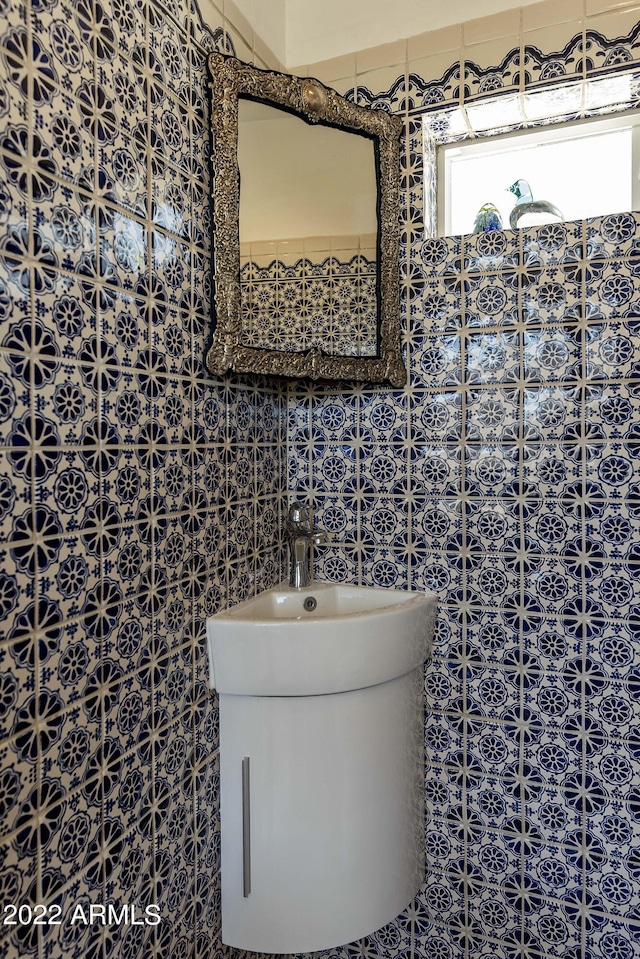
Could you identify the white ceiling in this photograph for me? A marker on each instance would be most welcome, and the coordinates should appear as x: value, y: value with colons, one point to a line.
x: 308, y: 31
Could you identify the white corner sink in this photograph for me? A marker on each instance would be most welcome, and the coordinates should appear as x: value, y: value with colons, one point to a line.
x: 355, y: 637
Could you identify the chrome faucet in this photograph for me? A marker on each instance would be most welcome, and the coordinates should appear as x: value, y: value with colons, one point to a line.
x: 300, y: 538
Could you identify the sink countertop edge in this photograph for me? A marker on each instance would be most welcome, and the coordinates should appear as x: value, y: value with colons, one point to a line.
x: 235, y: 614
x: 340, y: 672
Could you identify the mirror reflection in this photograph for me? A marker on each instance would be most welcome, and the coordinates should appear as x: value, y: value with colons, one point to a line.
x: 305, y: 205
x: 308, y: 234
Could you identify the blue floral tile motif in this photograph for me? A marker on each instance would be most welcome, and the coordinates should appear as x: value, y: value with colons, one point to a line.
x: 552, y: 298
x: 615, y: 290
x: 613, y: 469
x: 333, y: 291
x: 492, y: 358
x: 425, y: 94
x: 493, y: 251
x: 490, y: 470
x: 614, y: 235
x: 606, y: 54
x: 547, y: 245
x: 490, y: 304
x: 436, y: 253
x: 611, y: 351
x: 384, y: 569
x: 545, y: 68
x: 383, y: 419
x: 333, y: 566
x: 616, y: 410
x: 552, y: 471
x: 552, y: 354
x: 492, y: 416
x: 441, y: 305
x: 436, y: 521
x: 489, y: 584
x: 439, y: 361
x: 551, y: 413
x: 393, y: 100
x: 437, y: 417
x: 479, y: 81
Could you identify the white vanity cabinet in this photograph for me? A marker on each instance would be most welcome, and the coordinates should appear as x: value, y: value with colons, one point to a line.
x: 321, y: 795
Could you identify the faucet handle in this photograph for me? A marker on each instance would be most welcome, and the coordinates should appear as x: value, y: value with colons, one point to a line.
x: 319, y: 538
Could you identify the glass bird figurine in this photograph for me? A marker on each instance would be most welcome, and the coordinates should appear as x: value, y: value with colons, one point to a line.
x: 530, y: 212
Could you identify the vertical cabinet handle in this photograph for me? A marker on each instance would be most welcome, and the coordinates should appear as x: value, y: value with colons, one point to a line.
x: 246, y: 828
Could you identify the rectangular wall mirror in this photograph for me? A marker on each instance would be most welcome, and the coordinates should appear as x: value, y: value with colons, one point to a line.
x: 305, y: 230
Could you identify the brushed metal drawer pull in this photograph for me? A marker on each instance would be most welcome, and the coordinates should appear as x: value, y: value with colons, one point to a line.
x: 246, y: 829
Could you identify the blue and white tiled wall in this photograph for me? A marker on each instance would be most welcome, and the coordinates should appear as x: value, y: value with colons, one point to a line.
x: 506, y: 477
x: 137, y: 494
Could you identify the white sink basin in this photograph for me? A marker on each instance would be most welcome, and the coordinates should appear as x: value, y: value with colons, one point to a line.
x: 357, y: 636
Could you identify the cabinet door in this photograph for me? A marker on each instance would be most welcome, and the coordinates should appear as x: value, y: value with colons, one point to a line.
x: 336, y: 817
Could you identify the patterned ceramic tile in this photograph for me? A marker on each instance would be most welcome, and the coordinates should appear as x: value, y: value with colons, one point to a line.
x: 440, y: 305
x: 425, y: 94
x: 547, y: 245
x: 553, y: 927
x: 280, y: 306
x: 438, y: 361
x: 491, y: 252
x: 437, y: 254
x: 545, y: 68
x: 552, y: 471
x: 386, y: 568
x: 490, y: 304
x: 612, y: 469
x: 552, y: 354
x: 492, y: 358
x: 552, y: 298
x: 483, y: 80
x: 490, y: 470
x: 615, y: 290
x: 436, y: 521
x: 610, y: 351
x: 492, y: 415
x: 613, y: 236
x: 436, y: 417
x: 434, y: 571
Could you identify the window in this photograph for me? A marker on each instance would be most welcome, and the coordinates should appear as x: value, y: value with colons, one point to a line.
x: 584, y: 168
x: 576, y: 142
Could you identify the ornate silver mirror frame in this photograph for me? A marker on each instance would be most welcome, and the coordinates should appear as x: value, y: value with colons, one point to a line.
x: 232, y: 79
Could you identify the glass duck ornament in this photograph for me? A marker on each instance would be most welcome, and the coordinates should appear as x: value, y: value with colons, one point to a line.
x: 530, y: 212
x: 487, y: 218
